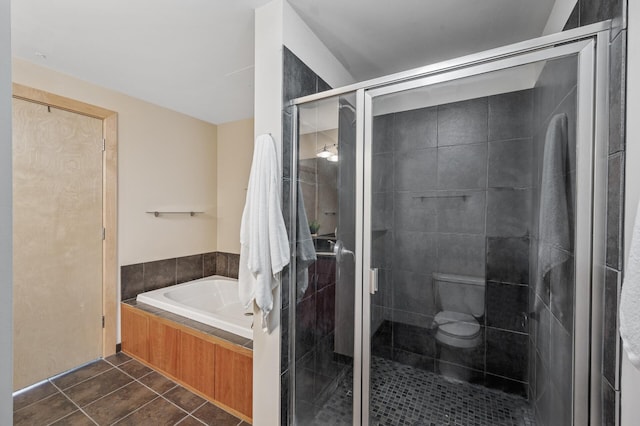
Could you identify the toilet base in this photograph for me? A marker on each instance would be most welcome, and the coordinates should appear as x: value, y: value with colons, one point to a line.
x: 456, y: 364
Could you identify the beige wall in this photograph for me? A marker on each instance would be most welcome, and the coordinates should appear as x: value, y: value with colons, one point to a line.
x: 235, y: 152
x: 167, y: 161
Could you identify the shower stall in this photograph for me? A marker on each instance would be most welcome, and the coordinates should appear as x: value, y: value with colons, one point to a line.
x: 448, y: 224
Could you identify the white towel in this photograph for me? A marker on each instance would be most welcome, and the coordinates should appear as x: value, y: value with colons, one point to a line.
x: 554, y: 236
x: 630, y: 299
x: 264, y: 245
x: 305, y: 250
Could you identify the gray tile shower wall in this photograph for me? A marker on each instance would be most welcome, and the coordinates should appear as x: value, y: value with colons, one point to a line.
x: 147, y: 276
x: 590, y: 11
x: 611, y: 344
x: 456, y: 179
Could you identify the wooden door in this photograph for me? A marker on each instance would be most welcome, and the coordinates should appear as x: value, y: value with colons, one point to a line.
x: 57, y: 248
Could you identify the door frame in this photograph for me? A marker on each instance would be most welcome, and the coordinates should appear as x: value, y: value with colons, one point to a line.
x: 109, y: 199
x: 585, y: 281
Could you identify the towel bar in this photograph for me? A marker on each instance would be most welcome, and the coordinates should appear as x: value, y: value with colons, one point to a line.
x: 422, y: 197
x: 158, y: 213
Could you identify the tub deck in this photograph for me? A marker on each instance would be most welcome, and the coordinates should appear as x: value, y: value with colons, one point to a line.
x: 219, y: 333
x: 211, y: 300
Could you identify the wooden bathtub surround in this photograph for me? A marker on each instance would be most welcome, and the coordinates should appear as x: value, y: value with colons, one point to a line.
x: 216, y: 369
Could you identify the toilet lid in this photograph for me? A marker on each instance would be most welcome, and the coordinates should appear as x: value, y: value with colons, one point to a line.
x: 457, y: 324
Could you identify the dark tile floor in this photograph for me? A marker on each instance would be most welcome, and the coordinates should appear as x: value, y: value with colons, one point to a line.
x: 117, y: 390
x: 403, y: 395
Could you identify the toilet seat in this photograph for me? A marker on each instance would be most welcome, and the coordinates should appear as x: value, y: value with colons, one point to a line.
x: 457, y: 329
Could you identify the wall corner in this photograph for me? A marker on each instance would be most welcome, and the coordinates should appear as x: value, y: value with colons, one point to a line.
x: 267, y: 111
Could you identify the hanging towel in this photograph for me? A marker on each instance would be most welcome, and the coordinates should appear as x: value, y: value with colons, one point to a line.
x: 305, y: 250
x: 630, y: 299
x: 554, y: 243
x: 264, y: 245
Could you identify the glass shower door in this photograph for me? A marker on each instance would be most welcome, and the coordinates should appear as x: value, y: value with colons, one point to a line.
x: 476, y: 253
x: 322, y: 303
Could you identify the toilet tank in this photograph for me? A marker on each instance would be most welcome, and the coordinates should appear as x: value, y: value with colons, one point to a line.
x: 460, y: 293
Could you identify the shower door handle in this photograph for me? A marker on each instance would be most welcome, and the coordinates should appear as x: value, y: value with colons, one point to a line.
x: 340, y: 251
x: 373, y: 280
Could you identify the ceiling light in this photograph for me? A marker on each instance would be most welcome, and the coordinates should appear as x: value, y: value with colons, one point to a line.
x: 324, y: 153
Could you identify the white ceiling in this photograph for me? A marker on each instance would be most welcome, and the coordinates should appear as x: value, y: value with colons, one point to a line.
x: 192, y: 56
x: 372, y: 38
x: 196, y: 56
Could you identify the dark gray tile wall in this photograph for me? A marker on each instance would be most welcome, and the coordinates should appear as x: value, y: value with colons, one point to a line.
x: 615, y: 182
x: 227, y: 264
x: 611, y: 344
x: 617, y: 93
x: 159, y: 274
x: 508, y: 260
x: 507, y: 352
x: 456, y: 179
x: 463, y: 122
x: 318, y: 181
x: 591, y: 11
x: 131, y: 282
x: 147, y: 276
x: 509, y: 163
x: 189, y: 268
x: 507, y: 306
x: 610, y: 405
x: 298, y: 79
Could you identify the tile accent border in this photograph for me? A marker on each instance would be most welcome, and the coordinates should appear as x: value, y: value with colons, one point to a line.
x: 140, y: 277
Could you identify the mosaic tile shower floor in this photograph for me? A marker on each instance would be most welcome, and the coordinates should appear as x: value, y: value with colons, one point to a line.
x: 404, y: 395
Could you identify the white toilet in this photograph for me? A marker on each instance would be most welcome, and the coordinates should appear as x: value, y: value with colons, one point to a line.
x: 461, y: 299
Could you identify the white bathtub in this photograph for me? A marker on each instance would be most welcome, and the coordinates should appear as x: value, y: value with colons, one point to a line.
x: 212, y: 300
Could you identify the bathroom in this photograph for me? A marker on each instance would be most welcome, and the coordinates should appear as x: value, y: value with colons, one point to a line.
x: 144, y: 239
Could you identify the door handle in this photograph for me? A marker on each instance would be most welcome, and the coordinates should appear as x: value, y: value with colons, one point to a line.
x: 340, y: 251
x: 373, y: 280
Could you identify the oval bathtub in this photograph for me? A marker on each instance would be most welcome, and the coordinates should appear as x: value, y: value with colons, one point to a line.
x: 212, y: 300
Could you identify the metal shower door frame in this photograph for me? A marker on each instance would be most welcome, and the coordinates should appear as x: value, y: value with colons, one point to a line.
x: 585, y: 138
x: 590, y: 43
